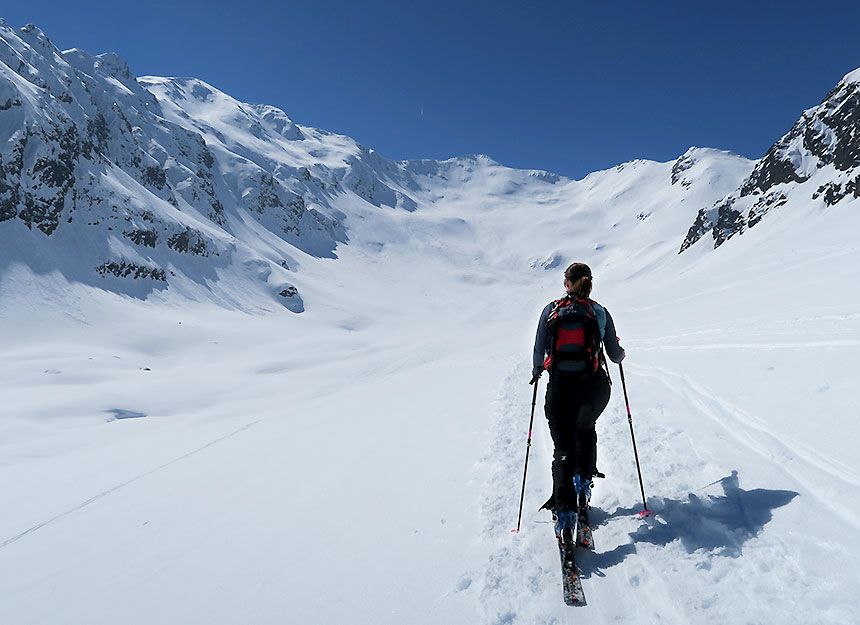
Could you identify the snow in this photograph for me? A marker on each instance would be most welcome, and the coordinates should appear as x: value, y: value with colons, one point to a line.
x: 362, y: 460
x: 196, y: 454
x: 851, y: 77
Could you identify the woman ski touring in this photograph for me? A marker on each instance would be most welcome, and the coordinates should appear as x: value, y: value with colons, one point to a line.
x: 571, y: 335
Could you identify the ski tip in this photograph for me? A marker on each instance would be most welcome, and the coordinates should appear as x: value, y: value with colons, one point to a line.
x: 645, y: 513
x: 515, y: 531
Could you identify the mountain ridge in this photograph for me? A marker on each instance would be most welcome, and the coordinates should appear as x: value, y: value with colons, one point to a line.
x: 817, y: 160
x: 165, y: 178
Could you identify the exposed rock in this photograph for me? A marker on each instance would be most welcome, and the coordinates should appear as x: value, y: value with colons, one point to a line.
x: 189, y: 241
x: 827, y: 135
x: 149, y: 238
x: 125, y: 269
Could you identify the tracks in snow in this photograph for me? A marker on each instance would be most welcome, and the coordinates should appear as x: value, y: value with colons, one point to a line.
x: 107, y: 492
x: 803, y: 464
x: 706, y: 557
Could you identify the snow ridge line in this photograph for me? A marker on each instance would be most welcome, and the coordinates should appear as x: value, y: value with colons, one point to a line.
x: 95, y: 498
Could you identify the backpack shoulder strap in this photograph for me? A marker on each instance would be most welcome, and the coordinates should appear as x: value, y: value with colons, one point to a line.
x: 558, y: 304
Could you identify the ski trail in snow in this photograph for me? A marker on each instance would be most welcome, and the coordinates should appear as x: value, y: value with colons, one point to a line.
x: 103, y: 494
x: 521, y: 579
x: 696, y: 560
x: 778, y: 450
x: 710, y: 553
x: 521, y: 582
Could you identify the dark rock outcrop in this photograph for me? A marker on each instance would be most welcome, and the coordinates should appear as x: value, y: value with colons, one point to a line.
x: 825, y: 138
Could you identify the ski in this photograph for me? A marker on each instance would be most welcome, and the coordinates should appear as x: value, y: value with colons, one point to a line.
x: 572, y: 531
x: 570, y: 580
x: 584, y: 537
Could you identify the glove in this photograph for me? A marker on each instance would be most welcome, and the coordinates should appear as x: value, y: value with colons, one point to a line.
x: 536, y: 376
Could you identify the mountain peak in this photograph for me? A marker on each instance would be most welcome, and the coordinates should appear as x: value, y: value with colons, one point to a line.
x: 114, y: 65
x: 189, y: 90
x: 818, y: 159
x: 851, y: 77
x: 476, y: 159
x: 34, y: 36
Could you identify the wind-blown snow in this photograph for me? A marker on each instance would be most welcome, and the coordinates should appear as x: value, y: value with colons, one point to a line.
x: 177, y: 460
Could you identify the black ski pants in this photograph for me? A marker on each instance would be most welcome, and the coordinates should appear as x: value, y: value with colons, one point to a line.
x: 572, y: 408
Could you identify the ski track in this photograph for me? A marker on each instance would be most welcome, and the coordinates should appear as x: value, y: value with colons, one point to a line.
x: 777, y: 450
x: 107, y: 492
x: 679, y: 566
x: 522, y: 569
x: 777, y: 578
x: 521, y: 582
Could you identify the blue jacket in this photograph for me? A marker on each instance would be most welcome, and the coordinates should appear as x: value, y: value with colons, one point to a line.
x: 543, y: 340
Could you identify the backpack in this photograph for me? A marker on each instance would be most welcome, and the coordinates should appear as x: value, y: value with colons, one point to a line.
x: 576, y: 342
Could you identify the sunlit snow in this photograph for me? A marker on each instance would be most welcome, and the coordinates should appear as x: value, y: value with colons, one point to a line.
x: 205, y: 455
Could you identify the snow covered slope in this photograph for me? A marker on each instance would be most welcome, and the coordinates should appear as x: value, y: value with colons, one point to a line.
x: 814, y: 166
x: 174, y: 459
x: 96, y: 183
x: 138, y: 186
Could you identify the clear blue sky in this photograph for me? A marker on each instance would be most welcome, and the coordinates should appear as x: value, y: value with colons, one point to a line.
x: 566, y: 86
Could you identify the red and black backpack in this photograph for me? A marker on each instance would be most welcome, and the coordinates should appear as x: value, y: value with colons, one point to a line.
x: 576, y: 342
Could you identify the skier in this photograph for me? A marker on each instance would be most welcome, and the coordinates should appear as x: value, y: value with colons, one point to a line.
x: 570, y: 337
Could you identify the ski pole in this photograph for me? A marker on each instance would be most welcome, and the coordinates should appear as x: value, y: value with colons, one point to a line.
x: 528, y: 448
x: 645, y: 510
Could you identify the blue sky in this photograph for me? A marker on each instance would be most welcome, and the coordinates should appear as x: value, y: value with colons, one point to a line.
x: 567, y: 86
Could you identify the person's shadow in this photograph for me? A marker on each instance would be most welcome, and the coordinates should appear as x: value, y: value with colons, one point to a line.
x: 720, y: 524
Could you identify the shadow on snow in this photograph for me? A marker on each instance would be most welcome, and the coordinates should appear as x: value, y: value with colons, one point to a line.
x: 719, y: 524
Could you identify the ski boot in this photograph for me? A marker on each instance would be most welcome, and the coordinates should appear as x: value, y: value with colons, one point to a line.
x: 565, y: 525
x: 583, y: 486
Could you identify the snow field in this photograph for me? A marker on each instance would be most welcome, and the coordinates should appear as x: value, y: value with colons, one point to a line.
x: 713, y: 544
x: 362, y: 462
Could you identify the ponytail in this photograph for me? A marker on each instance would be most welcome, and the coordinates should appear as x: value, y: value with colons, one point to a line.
x: 579, y: 277
x: 582, y: 287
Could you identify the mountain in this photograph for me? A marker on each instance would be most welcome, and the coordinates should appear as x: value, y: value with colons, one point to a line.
x: 817, y: 163
x: 137, y: 185
x: 98, y: 181
x: 141, y: 185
